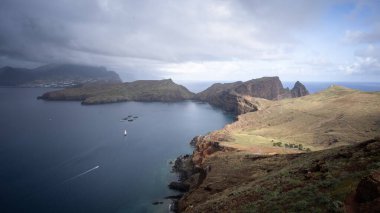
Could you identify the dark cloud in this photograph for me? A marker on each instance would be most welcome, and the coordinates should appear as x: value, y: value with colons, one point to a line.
x: 155, y: 39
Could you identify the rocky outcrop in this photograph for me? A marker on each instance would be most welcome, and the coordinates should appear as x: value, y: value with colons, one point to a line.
x: 235, y: 97
x: 368, y: 188
x: 299, y: 90
x: 144, y: 90
x: 267, y: 87
x: 190, y: 169
x: 367, y: 196
x: 179, y: 186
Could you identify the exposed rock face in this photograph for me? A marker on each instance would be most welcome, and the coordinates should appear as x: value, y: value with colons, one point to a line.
x: 299, y: 90
x: 179, y: 186
x: 234, y: 97
x: 144, y: 90
x: 267, y: 87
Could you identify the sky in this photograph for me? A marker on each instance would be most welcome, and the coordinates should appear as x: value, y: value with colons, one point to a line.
x: 198, y: 40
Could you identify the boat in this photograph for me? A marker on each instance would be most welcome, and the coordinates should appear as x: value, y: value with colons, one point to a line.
x: 125, y: 132
x: 130, y: 120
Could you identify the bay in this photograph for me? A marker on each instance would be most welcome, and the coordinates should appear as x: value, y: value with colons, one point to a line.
x: 66, y: 157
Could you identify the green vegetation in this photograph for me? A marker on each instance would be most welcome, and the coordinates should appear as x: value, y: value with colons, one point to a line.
x: 144, y: 90
x: 306, y: 182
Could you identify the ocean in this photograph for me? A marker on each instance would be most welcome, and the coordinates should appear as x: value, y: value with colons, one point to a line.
x: 66, y: 157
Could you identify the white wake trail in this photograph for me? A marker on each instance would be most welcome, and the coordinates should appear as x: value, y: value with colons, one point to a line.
x: 83, y: 173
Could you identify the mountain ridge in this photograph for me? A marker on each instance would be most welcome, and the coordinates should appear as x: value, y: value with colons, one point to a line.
x: 232, y: 97
x: 56, y: 75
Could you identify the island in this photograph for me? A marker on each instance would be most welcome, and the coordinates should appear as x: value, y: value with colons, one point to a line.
x: 143, y: 90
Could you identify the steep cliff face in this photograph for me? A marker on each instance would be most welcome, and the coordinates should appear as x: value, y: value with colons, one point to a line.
x: 267, y: 87
x: 234, y: 97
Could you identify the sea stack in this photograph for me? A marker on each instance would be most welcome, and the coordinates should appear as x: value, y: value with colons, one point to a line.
x: 299, y: 90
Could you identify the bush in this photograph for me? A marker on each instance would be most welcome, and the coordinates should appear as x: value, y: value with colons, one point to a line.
x: 300, y: 146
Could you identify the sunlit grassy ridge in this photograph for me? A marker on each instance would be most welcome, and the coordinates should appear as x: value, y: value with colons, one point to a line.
x: 334, y: 117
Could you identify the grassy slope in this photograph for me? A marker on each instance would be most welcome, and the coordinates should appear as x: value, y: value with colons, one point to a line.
x: 318, y: 181
x: 250, y: 180
x: 334, y: 117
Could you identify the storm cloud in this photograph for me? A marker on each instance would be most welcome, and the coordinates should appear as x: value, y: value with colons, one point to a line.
x: 192, y: 40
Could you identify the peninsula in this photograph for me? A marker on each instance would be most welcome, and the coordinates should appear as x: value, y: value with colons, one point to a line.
x: 317, y: 153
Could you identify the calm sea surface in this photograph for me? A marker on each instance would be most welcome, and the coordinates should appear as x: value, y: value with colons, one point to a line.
x: 65, y: 157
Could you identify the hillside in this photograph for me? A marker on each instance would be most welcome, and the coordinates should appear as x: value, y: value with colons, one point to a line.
x: 143, y: 90
x: 334, y: 117
x: 232, y: 97
x: 298, y: 155
x: 333, y: 180
x: 56, y: 75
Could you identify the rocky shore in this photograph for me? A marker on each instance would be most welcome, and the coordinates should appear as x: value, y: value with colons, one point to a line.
x: 191, y: 173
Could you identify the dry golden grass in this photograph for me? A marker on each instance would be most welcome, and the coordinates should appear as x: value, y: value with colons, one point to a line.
x: 334, y: 117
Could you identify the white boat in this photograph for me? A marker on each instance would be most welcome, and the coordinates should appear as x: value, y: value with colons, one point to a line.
x: 125, y: 132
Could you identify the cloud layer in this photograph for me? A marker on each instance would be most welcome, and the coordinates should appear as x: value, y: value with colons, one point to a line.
x: 196, y: 40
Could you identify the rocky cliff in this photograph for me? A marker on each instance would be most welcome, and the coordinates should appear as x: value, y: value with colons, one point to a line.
x: 233, y: 97
x: 299, y: 90
x: 143, y: 90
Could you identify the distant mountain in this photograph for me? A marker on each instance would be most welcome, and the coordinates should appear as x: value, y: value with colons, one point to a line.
x: 236, y: 97
x: 143, y: 90
x: 56, y: 75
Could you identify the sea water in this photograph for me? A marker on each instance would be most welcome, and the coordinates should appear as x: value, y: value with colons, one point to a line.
x: 65, y: 157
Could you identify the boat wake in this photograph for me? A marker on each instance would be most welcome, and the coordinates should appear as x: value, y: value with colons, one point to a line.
x: 81, y: 174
